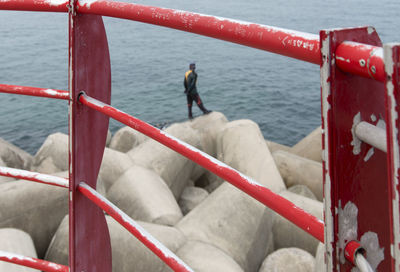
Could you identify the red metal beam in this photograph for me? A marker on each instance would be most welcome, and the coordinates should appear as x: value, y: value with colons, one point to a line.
x: 287, y: 209
x: 35, y: 5
x: 141, y: 234
x: 298, y: 45
x: 33, y: 91
x: 32, y: 262
x: 90, y: 70
x: 356, y: 190
x: 392, y: 94
x: 290, y: 43
x: 33, y: 176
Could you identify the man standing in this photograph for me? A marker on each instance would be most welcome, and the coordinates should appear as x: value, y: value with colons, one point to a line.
x: 191, y: 90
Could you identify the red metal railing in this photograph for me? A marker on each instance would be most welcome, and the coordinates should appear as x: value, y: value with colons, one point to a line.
x: 32, y: 262
x: 287, y: 209
x: 294, y: 44
x: 350, y: 56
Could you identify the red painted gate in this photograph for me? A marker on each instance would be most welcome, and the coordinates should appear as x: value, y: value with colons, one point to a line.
x: 359, y: 98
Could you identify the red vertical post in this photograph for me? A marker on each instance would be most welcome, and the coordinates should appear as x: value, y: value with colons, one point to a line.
x: 355, y: 174
x: 392, y: 84
x: 89, y: 71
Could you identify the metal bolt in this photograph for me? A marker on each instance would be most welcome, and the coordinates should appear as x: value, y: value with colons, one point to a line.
x: 362, y: 62
x: 373, y: 69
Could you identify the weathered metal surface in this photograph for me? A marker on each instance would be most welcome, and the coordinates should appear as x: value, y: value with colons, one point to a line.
x: 299, y: 45
x: 392, y: 84
x: 32, y: 262
x: 358, y: 58
x: 287, y: 209
x: 33, y: 91
x: 361, y: 59
x: 355, y: 174
x: 89, y: 70
x: 141, y: 234
x: 33, y: 176
x: 35, y: 5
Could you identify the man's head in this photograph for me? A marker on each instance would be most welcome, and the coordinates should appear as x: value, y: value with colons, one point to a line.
x: 192, y: 66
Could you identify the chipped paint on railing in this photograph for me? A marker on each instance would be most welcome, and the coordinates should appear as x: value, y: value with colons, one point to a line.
x: 295, y: 44
x: 393, y: 147
x: 287, y: 209
x: 34, y: 91
x: 325, y: 73
x: 35, y: 5
x: 33, y: 176
x: 32, y: 262
x: 138, y: 231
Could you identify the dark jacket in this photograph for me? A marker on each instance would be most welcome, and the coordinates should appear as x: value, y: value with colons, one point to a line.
x: 190, y: 82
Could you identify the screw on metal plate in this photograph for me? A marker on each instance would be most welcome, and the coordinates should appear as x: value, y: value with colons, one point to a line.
x: 373, y: 69
x: 362, y: 62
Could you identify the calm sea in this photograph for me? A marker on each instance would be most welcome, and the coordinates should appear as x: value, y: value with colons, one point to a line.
x: 148, y: 64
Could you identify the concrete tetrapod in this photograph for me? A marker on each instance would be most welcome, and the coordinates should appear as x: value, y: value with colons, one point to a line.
x: 52, y: 156
x: 126, y: 138
x: 2, y: 178
x: 298, y: 170
x: 14, y: 156
x: 310, y: 147
x: 202, y: 257
x: 34, y: 208
x: 18, y: 242
x: 319, y: 258
x: 228, y: 218
x: 191, y: 197
x: 144, y: 196
x: 114, y: 164
x: 128, y: 253
x: 302, y: 190
x: 172, y: 167
x: 208, y: 127
x: 288, y: 259
x: 273, y: 146
x: 286, y: 234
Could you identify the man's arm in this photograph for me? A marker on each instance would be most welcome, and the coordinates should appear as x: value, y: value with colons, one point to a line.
x: 191, y: 82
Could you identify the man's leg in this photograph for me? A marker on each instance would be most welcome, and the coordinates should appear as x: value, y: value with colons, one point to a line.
x: 189, y: 104
x: 200, y: 104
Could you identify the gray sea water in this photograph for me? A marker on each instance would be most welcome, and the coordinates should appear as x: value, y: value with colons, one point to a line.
x: 148, y: 64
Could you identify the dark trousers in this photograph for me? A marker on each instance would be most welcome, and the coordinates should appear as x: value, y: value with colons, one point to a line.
x: 195, y: 98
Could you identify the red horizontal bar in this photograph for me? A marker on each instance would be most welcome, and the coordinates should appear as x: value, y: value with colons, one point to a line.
x: 32, y: 262
x: 35, y: 5
x: 33, y: 176
x: 282, y: 206
x: 141, y: 234
x: 361, y: 59
x: 290, y: 43
x: 299, y: 45
x: 33, y: 91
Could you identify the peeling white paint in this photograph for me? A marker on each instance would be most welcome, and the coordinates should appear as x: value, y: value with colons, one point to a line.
x: 375, y: 254
x: 369, y: 154
x: 343, y: 59
x: 327, y: 201
x: 86, y: 3
x: 356, y: 143
x: 56, y: 2
x: 370, y: 30
x: 348, y: 226
x: 293, y: 33
x: 43, y: 178
x: 389, y: 69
